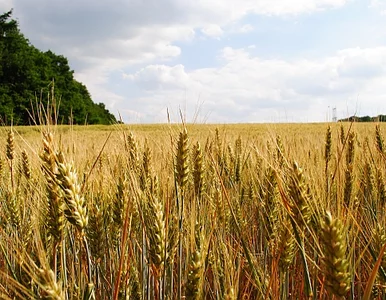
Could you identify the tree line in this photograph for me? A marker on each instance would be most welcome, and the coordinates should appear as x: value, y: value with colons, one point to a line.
x: 379, y: 118
x: 28, y: 75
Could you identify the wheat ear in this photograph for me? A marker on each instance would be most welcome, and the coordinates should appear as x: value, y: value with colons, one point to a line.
x: 336, y: 265
x: 55, y: 214
x: 379, y: 139
x: 50, y: 288
x: 10, y: 153
x: 196, y: 268
x: 76, y: 211
x: 26, y: 166
x: 198, y: 170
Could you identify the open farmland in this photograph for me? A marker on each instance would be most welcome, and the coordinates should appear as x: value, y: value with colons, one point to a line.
x: 248, y: 211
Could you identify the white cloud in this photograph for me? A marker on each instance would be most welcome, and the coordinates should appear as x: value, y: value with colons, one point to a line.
x: 359, y: 63
x: 237, y: 28
x: 251, y: 89
x: 158, y: 77
x: 244, y: 29
x: 375, y: 3
x: 224, y: 11
x: 230, y: 54
x: 101, y: 37
x: 379, y: 5
x: 138, y: 31
x: 213, y: 31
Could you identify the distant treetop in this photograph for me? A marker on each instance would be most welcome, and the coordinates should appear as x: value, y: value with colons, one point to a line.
x: 379, y: 118
x: 27, y: 75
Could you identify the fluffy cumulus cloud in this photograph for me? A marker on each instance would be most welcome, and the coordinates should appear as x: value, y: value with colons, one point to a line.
x: 145, y: 40
x: 127, y: 29
x: 243, y: 29
x: 161, y: 77
x: 379, y: 5
x: 212, y: 30
x: 251, y: 89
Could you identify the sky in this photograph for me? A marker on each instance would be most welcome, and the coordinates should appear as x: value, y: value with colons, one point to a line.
x: 218, y: 61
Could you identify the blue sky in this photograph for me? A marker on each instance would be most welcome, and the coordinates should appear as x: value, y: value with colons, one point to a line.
x: 219, y: 61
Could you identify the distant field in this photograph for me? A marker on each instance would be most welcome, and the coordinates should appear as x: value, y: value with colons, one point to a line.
x: 87, y: 140
x: 226, y: 211
x: 161, y: 133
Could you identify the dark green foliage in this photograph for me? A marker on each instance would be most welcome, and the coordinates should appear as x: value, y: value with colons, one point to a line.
x: 27, y: 74
x: 379, y: 118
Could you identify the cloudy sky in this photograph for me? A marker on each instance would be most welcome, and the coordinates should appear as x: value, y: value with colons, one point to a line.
x: 219, y: 61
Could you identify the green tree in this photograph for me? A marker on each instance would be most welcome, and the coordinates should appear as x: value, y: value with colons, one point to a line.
x: 25, y: 72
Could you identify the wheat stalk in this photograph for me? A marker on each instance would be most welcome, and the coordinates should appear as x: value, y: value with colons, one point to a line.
x: 182, y: 160
x: 55, y: 213
x: 10, y: 153
x: 145, y: 175
x: 26, y: 166
x: 198, y: 170
x: 300, y: 197
x: 50, y: 288
x: 156, y: 231
x: 76, y: 210
x: 379, y: 139
x: 336, y: 265
x: 196, y: 267
x: 349, y: 174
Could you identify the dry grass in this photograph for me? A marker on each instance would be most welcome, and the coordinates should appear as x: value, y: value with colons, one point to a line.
x: 247, y: 211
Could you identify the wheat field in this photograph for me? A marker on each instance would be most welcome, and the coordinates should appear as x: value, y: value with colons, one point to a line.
x: 246, y: 211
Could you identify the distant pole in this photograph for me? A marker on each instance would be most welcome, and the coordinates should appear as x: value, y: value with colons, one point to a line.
x: 334, y: 117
